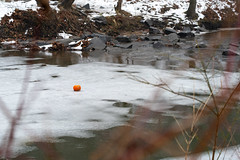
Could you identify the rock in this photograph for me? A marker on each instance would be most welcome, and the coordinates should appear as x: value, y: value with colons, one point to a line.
x: 100, y: 20
x: 87, y: 6
x: 149, y: 22
x: 114, y: 42
x: 133, y: 37
x: 153, y: 38
x: 65, y: 42
x: 153, y: 22
x: 169, y: 30
x: 170, y: 40
x: 96, y: 44
x: 39, y: 43
x: 101, y: 7
x: 201, y: 45
x: 173, y: 38
x: 185, y: 45
x: 78, y: 37
x: 187, y: 29
x: 123, y: 39
x: 200, y: 29
x: 123, y: 46
x: 158, y: 45
x: 159, y: 24
x: 178, y: 26
x: 143, y: 38
x: 191, y: 53
x: 146, y: 39
x: 186, y: 34
x: 230, y: 53
x: 197, y: 32
x: 153, y: 30
x: 86, y: 34
x: 103, y: 37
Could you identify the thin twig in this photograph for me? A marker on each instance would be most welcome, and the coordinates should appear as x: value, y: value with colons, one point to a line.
x: 164, y: 86
x: 18, y: 115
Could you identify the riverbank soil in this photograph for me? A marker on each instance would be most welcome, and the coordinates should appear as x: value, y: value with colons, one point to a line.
x: 24, y: 24
x: 46, y: 25
x: 211, y: 20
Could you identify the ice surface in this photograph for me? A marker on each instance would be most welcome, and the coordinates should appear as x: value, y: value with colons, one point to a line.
x: 52, y: 107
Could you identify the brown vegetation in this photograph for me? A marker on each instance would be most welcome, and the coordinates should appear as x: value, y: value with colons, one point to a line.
x: 119, y: 24
x: 44, y: 4
x: 41, y: 25
x: 212, y: 21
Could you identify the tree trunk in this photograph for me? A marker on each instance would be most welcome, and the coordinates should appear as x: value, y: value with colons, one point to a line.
x: 118, y: 8
x: 191, y: 12
x: 238, y: 6
x: 43, y: 4
x: 67, y: 4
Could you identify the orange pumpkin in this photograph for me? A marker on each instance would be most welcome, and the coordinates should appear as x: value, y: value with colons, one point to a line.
x: 76, y: 87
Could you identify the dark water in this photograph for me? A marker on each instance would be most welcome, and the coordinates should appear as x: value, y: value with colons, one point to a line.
x: 72, y: 148
x: 142, y: 53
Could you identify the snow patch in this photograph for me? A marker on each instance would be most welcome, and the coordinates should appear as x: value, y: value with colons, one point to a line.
x: 45, y: 47
x: 64, y: 35
x: 146, y: 8
x: 8, y: 42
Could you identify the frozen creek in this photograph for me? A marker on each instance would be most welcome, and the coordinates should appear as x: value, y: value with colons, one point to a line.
x: 53, y: 109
